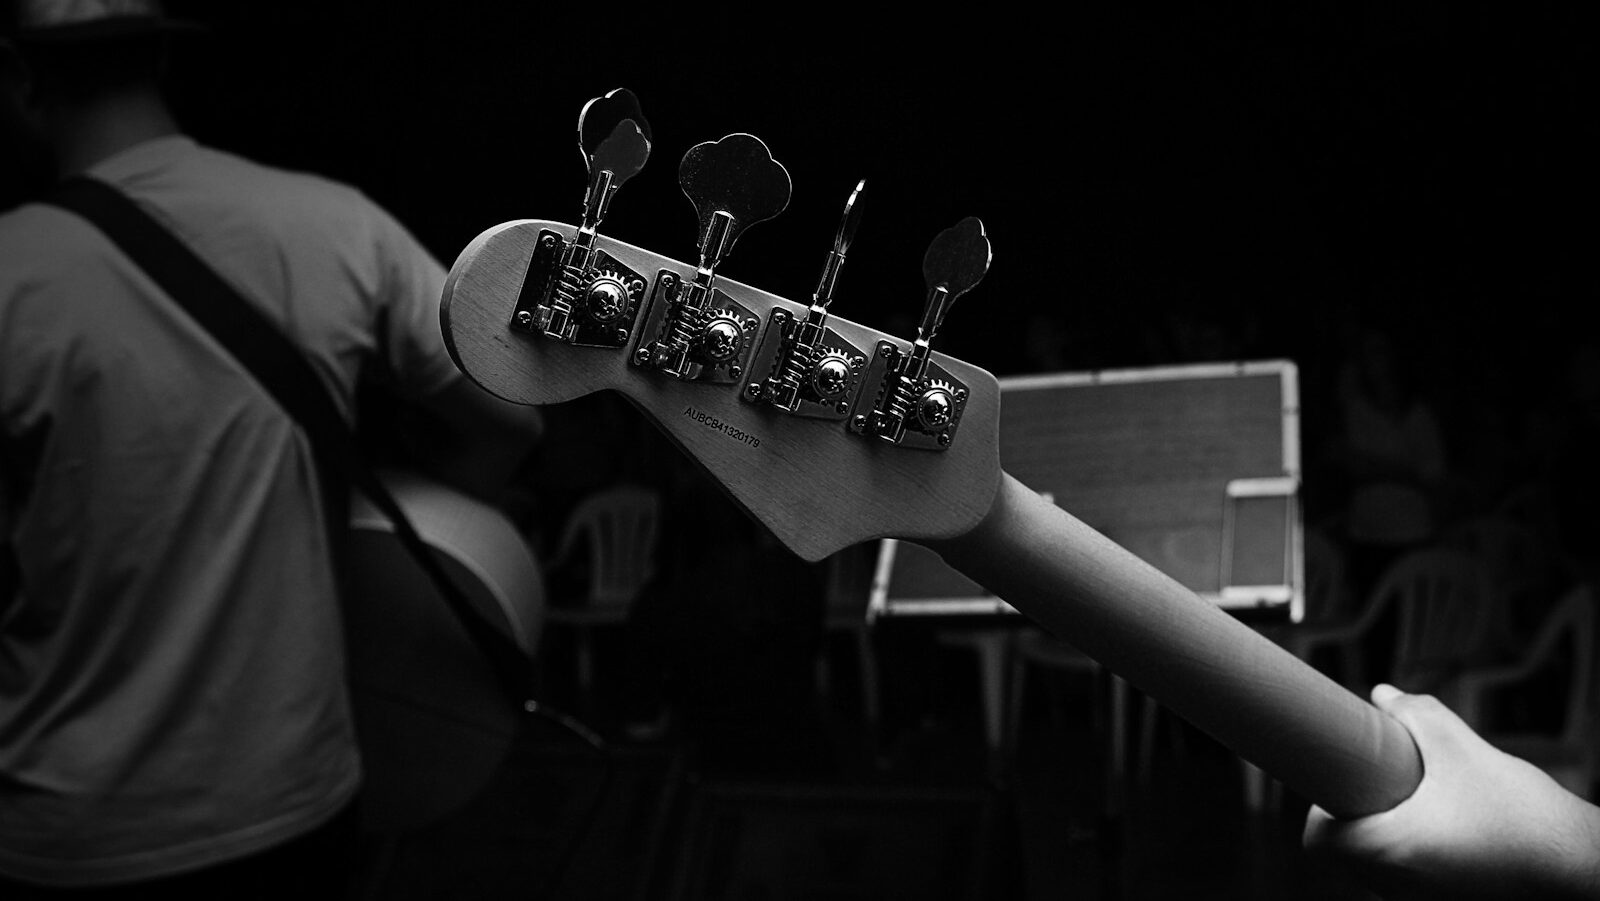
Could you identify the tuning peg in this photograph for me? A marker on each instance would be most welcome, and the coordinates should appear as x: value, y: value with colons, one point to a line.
x: 848, y: 223
x: 921, y: 403
x: 692, y: 331
x: 601, y: 116
x: 733, y: 183
x: 805, y: 367
x: 573, y: 292
x: 955, y: 262
x: 614, y: 139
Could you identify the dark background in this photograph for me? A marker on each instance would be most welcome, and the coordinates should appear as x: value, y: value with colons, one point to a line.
x: 1235, y: 180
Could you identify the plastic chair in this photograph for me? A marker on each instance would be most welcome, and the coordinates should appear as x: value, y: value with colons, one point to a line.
x: 1031, y: 648
x: 1445, y: 604
x: 846, y: 591
x: 1526, y: 570
x: 1569, y: 754
x: 619, y: 528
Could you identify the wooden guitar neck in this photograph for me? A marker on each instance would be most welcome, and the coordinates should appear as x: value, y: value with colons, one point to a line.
x: 1245, y: 691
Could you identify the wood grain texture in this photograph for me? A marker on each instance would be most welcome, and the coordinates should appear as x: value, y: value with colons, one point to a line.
x: 817, y: 486
x: 1248, y: 693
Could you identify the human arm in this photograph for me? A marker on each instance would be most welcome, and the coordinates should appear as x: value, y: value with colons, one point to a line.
x: 451, y: 428
x: 1481, y: 824
x: 483, y: 439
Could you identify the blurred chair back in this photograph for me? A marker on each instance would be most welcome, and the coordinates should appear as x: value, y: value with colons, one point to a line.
x: 1329, y: 598
x: 1571, y: 753
x: 847, y: 587
x: 619, y: 527
x: 1446, y: 611
x: 1527, y: 570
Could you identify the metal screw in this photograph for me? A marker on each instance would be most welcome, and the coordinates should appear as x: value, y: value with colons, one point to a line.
x: 636, y: 286
x: 641, y: 356
x: 735, y: 371
x: 961, y: 394
x: 524, y: 318
x: 548, y: 241
x: 944, y: 439
x: 857, y: 362
x: 843, y: 407
x: 753, y: 390
x: 622, y: 336
x: 667, y: 278
x: 859, y: 423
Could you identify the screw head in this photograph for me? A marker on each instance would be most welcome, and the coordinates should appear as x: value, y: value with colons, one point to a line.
x: 641, y: 356
x: 944, y: 439
x: 752, y: 390
x: 831, y: 376
x: 606, y: 300
x: 524, y: 318
x: 735, y: 371
x: 721, y: 339
x: 934, y: 408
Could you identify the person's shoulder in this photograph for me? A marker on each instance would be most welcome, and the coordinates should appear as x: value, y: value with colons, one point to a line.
x: 37, y: 239
x: 288, y: 188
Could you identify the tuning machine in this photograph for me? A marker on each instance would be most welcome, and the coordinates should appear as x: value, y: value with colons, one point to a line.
x: 918, y: 403
x: 572, y: 292
x: 692, y: 330
x: 802, y: 366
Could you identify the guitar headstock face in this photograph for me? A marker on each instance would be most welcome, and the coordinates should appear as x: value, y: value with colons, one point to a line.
x: 827, y: 432
x: 818, y: 485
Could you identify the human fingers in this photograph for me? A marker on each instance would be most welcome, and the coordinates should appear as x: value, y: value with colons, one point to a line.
x: 1433, y: 726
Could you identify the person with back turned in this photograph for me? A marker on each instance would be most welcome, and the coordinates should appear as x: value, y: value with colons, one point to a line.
x: 173, y: 713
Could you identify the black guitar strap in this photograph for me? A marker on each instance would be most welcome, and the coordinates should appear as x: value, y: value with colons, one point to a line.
x: 283, y: 370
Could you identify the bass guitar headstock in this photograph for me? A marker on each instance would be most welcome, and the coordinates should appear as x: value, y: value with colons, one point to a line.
x: 828, y: 432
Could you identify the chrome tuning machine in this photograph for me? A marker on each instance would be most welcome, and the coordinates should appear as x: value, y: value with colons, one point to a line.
x: 918, y: 403
x: 573, y: 292
x: 802, y: 366
x: 692, y: 330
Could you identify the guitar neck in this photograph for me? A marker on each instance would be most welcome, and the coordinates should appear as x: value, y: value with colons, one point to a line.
x: 1222, y: 676
x: 821, y: 484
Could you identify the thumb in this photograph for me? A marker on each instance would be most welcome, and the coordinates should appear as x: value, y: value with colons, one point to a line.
x: 1432, y: 725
